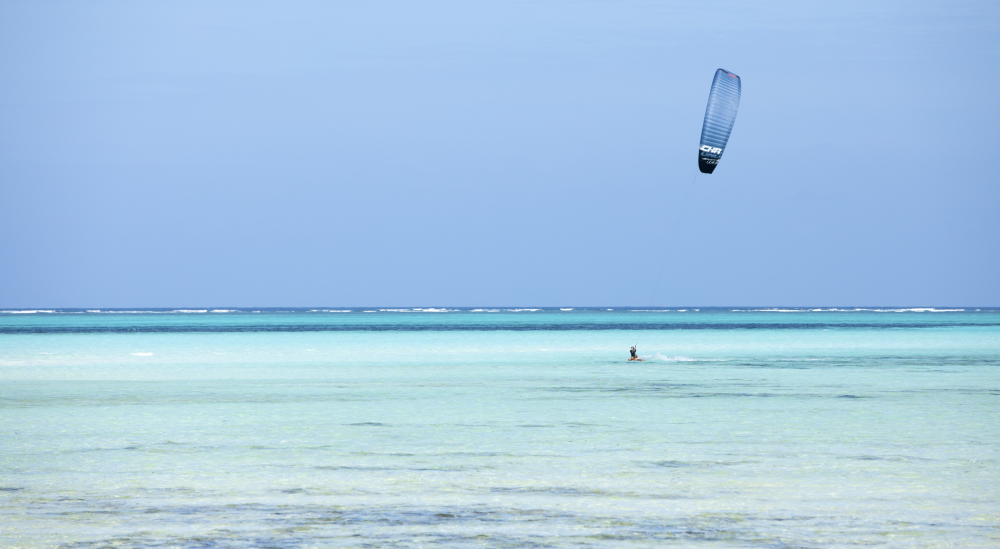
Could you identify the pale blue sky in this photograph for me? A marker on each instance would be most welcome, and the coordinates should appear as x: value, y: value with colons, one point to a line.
x: 496, y: 153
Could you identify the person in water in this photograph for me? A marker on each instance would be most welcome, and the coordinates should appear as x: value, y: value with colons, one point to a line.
x: 634, y: 356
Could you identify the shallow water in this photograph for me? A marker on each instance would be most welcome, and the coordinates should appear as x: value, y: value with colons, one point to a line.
x: 508, y: 429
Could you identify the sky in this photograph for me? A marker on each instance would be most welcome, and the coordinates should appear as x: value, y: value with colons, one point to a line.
x: 454, y: 153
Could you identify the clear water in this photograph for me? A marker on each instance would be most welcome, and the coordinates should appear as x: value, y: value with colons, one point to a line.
x: 500, y: 429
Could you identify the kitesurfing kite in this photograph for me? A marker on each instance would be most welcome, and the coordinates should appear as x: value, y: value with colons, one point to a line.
x: 723, y: 102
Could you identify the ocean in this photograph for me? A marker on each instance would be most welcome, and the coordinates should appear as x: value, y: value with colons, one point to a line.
x: 499, y: 427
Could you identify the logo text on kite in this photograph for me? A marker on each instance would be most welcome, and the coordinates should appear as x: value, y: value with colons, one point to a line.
x: 710, y: 150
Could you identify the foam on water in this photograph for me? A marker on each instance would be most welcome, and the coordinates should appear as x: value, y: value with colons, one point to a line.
x: 664, y: 358
x: 918, y: 310
x: 911, y: 310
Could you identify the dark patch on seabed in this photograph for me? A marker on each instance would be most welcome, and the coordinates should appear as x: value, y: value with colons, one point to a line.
x: 672, y: 464
x: 678, y: 391
x: 886, y: 458
x: 294, y: 527
x: 492, y: 327
x: 447, y: 469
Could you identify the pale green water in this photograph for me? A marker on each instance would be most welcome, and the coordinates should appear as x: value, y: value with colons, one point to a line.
x: 300, y: 429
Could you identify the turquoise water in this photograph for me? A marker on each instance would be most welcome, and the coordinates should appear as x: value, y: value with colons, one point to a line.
x: 500, y: 428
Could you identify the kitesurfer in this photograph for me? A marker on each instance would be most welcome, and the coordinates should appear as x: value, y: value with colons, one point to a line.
x: 634, y: 356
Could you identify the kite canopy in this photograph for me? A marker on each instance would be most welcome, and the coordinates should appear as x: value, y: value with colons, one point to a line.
x: 723, y: 102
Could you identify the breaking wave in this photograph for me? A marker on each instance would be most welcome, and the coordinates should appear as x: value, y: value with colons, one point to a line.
x: 857, y: 309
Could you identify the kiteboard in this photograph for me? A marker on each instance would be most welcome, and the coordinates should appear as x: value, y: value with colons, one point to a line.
x: 637, y: 359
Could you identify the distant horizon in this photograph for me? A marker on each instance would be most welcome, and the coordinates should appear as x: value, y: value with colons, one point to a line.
x: 525, y: 308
